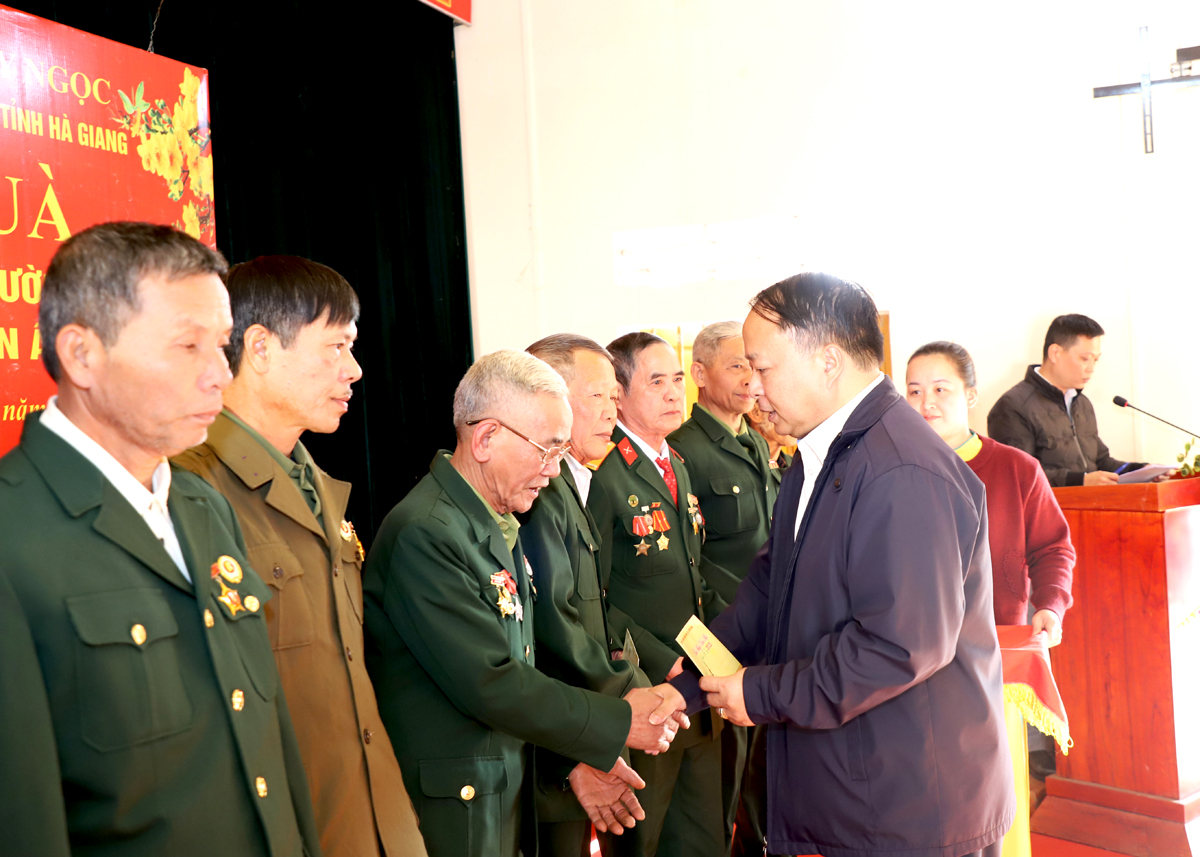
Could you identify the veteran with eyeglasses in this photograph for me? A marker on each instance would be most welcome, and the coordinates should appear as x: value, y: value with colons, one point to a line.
x: 449, y: 616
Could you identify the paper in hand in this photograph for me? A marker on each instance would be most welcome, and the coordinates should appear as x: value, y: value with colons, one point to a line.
x: 1144, y: 474
x: 629, y: 652
x: 707, y: 652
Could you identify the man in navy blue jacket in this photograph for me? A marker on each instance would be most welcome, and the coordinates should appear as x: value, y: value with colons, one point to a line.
x: 865, y: 623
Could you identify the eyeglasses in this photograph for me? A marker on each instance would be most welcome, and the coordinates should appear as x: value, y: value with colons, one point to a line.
x: 553, y: 455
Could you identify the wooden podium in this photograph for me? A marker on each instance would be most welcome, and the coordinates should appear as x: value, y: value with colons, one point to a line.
x: 1129, y: 673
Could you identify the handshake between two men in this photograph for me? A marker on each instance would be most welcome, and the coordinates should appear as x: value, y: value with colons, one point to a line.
x: 608, y: 798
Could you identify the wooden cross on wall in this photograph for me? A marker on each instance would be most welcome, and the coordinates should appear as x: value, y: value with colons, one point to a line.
x: 1184, y: 57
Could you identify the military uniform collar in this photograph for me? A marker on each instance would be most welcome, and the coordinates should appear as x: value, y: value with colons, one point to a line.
x: 81, y: 487
x: 645, y: 448
x: 482, y: 517
x: 249, y: 460
x: 713, y: 426
x: 507, y: 522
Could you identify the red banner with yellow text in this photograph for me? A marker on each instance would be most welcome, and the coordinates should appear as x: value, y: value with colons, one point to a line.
x: 90, y: 131
x: 459, y: 10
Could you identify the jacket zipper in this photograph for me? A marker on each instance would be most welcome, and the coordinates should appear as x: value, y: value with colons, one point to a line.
x: 1074, y: 434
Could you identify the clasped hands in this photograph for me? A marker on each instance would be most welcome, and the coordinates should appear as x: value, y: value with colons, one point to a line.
x: 608, y: 798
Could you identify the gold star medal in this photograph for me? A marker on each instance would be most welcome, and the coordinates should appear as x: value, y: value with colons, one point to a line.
x: 663, y: 541
x: 228, y: 568
x: 230, y: 598
x: 642, y: 548
x: 506, y: 587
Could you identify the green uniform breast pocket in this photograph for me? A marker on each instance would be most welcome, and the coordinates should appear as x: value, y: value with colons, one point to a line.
x: 289, y: 613
x: 462, y: 799
x: 730, y: 508
x: 127, y: 665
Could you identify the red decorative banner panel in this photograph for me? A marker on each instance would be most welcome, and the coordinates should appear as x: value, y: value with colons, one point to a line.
x: 90, y: 131
x: 459, y: 10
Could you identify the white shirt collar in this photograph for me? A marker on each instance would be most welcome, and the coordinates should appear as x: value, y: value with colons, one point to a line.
x: 647, y: 448
x: 818, y: 440
x: 1069, y: 394
x: 151, y: 505
x: 582, y: 476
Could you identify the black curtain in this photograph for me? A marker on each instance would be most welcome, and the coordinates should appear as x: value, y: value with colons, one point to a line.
x: 336, y: 137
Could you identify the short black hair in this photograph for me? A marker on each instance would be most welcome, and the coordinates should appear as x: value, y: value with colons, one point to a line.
x: 817, y: 308
x: 94, y: 276
x: 1065, y: 329
x: 625, y: 350
x: 955, y: 353
x: 284, y: 294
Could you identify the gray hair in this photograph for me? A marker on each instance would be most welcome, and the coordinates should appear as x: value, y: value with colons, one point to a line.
x: 494, y: 380
x: 93, y: 279
x: 708, y: 341
x: 558, y: 350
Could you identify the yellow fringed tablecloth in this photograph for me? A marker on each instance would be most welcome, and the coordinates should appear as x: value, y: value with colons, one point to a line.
x: 1030, y: 696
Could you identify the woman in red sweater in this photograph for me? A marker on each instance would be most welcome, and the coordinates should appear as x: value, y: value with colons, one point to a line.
x: 1032, y: 556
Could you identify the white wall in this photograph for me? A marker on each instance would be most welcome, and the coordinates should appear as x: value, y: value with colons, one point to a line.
x: 949, y: 156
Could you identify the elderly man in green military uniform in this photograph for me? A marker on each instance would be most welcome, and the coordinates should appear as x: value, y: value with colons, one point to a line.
x: 652, y: 529
x: 450, y: 633
x: 291, y: 356
x: 574, y: 640
x: 140, y: 706
x: 732, y: 476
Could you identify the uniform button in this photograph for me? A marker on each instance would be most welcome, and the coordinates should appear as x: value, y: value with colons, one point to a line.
x: 837, y: 483
x: 238, y: 699
x: 138, y: 632
x: 251, y: 603
x: 366, y: 736
x: 737, y: 490
x: 260, y: 786
x: 467, y: 792
x: 700, y: 603
x: 527, y: 653
x: 604, y: 592
x: 278, y: 572
x: 349, y: 654
x: 208, y: 619
x: 336, y: 569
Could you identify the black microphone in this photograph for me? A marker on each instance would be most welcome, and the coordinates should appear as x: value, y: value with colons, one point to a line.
x: 1122, y: 402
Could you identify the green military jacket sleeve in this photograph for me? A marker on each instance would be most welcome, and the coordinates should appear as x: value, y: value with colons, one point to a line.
x: 139, y: 711
x: 450, y: 648
x: 314, y: 620
x: 655, y: 581
x: 571, y: 628
x: 736, y: 491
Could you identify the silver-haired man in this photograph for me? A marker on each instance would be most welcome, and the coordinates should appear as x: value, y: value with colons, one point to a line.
x: 449, y: 621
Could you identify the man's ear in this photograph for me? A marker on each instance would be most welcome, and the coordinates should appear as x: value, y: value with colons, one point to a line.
x: 1053, y: 353
x: 972, y: 397
x: 834, y: 360
x: 258, y: 343
x: 482, y: 438
x: 80, y: 354
x: 697, y: 370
